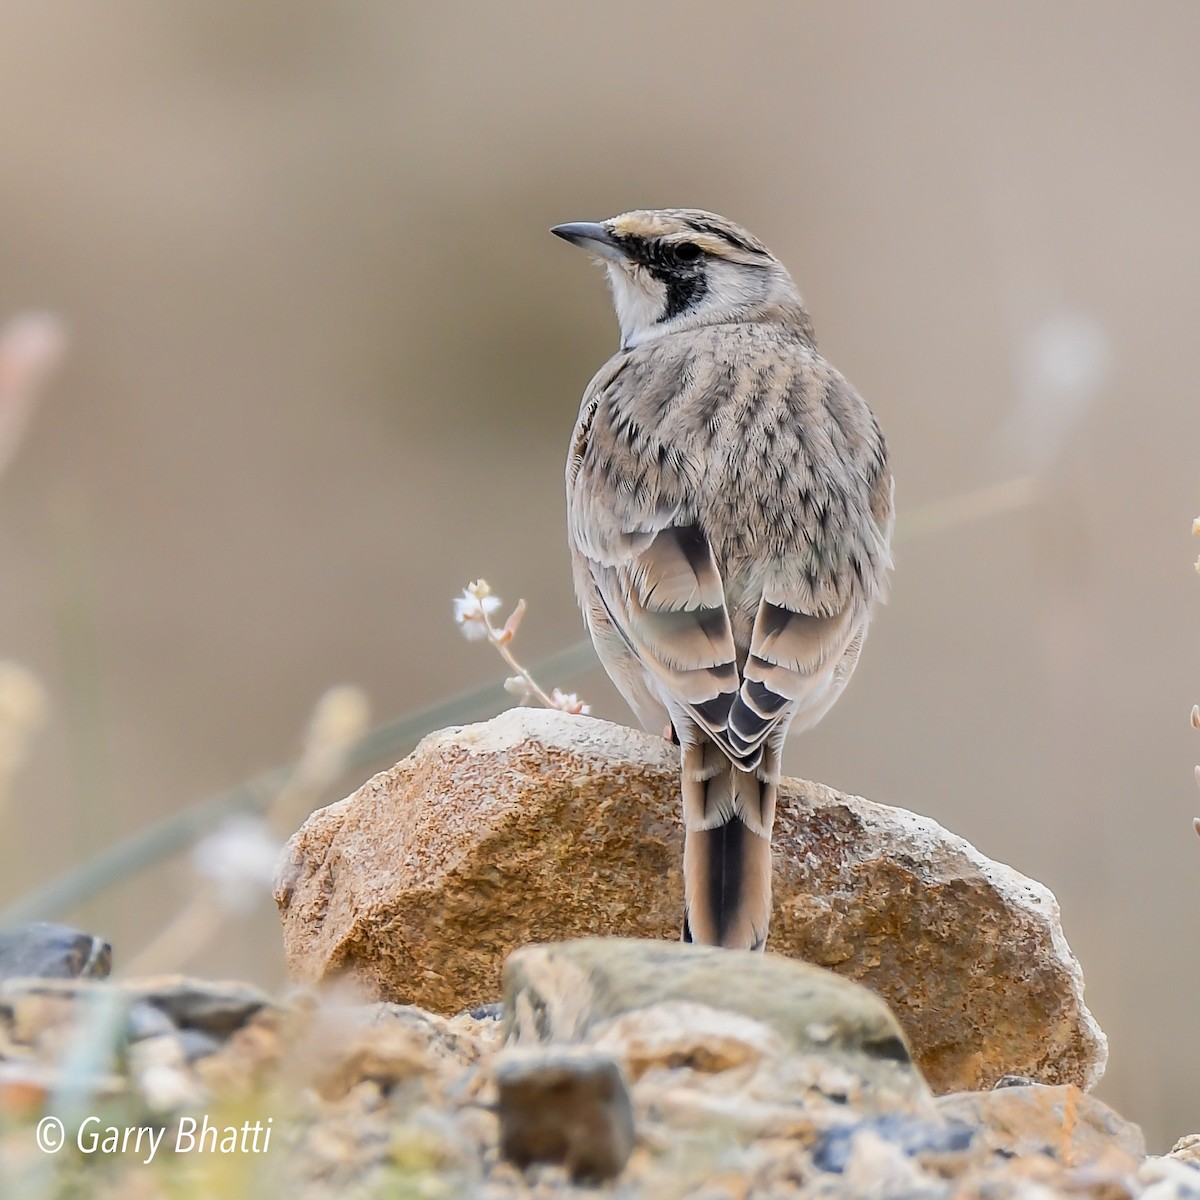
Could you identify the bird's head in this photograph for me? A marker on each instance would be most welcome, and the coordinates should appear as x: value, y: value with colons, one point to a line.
x: 680, y: 268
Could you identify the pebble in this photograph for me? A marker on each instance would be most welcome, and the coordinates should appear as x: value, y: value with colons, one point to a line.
x: 565, y: 1106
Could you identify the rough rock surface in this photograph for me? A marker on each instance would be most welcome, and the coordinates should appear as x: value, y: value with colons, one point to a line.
x: 800, y: 1042
x: 1187, y: 1149
x: 538, y: 825
x: 725, y: 1096
x: 1061, y: 1122
x: 574, y: 991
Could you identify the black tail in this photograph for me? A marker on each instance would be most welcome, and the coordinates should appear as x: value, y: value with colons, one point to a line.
x: 727, y: 886
x: 728, y: 813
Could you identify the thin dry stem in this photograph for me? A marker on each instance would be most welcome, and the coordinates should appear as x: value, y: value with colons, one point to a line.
x: 497, y: 639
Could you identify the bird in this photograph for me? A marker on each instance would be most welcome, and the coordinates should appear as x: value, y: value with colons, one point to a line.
x: 729, y: 515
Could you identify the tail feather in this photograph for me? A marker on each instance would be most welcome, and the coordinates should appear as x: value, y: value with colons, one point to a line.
x: 727, y: 886
x: 728, y: 814
x: 714, y: 789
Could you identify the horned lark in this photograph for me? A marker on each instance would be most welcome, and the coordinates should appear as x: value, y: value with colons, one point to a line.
x: 729, y: 509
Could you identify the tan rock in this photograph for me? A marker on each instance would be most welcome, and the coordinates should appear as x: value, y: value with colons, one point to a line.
x: 538, y: 825
x: 385, y: 1044
x: 247, y: 1058
x: 1187, y: 1149
x: 1063, y: 1123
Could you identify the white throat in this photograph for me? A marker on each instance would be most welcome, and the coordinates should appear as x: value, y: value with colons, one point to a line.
x: 640, y: 301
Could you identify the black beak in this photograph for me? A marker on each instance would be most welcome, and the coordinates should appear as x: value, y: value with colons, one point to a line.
x: 592, y: 237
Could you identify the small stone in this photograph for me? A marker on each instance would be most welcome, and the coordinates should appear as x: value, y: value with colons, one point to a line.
x: 42, y: 1014
x: 1187, y: 1149
x: 487, y: 1034
x: 568, y: 1106
x: 911, y: 1135
x: 209, y: 1006
x: 736, y: 1116
x: 1062, y: 1122
x: 43, y: 950
x: 487, y: 1012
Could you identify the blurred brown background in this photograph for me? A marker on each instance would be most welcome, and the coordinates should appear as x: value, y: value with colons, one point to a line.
x: 325, y: 359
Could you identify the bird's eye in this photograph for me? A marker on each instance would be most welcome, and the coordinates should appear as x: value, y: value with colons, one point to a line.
x: 687, y: 252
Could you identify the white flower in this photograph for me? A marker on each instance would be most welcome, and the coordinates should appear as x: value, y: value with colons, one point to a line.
x: 239, y: 856
x: 568, y: 702
x: 471, y: 608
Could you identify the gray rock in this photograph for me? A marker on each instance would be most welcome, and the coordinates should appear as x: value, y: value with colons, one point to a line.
x: 145, y: 1021
x: 1006, y: 1081
x: 562, y: 991
x: 215, y: 1008
x: 32, y: 1009
x: 487, y: 1012
x: 43, y: 950
x: 564, y: 1105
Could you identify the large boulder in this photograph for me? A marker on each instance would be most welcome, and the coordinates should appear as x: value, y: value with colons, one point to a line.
x: 540, y: 826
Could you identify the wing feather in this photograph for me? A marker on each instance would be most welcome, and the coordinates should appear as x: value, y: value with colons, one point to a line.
x: 668, y: 602
x: 791, y: 665
x: 729, y: 509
